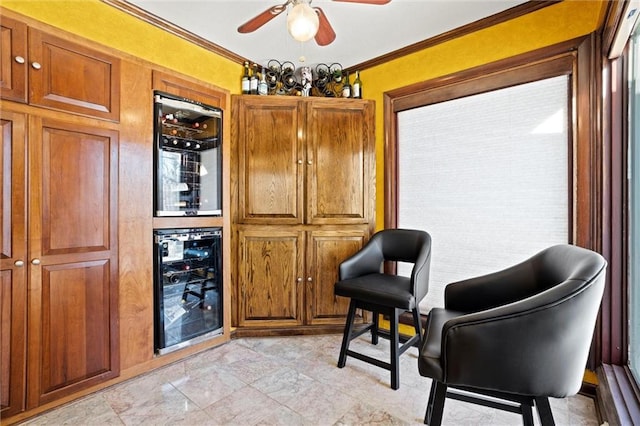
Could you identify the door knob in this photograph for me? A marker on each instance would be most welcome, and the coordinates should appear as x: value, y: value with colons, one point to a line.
x: 299, y: 279
x: 36, y: 65
x: 19, y: 263
x: 309, y: 279
x: 19, y: 59
x: 35, y: 261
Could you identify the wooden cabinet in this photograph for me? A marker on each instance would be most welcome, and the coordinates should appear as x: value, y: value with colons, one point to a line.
x: 62, y: 245
x: 304, y: 169
x: 44, y: 70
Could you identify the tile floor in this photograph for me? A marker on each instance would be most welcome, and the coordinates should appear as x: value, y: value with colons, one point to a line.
x: 284, y: 381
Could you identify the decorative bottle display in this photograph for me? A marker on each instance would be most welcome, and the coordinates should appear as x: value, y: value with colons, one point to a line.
x: 329, y: 81
x: 253, y: 80
x: 357, y: 86
x: 263, y: 87
x: 346, y: 88
x: 246, y: 87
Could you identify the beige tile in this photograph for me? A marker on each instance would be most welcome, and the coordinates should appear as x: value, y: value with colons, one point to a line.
x: 286, y: 381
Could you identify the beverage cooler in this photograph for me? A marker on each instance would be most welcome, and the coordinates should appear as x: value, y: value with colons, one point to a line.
x: 188, y: 157
x: 188, y: 287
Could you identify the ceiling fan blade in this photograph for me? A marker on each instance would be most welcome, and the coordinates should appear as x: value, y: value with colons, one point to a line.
x: 380, y: 2
x: 325, y: 34
x: 258, y: 21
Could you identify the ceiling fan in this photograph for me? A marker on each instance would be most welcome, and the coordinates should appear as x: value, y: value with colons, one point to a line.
x: 320, y: 29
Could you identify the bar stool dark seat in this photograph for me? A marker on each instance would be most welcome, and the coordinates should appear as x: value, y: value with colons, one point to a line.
x: 362, y: 280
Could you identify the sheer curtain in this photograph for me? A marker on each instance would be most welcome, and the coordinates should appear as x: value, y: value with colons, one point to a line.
x: 488, y: 176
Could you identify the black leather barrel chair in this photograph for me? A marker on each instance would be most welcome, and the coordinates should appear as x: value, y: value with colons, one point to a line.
x: 362, y: 279
x: 521, y: 335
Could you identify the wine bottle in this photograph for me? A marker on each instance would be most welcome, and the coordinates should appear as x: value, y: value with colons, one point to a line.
x: 263, y: 87
x: 246, y: 88
x: 357, y: 86
x: 253, y: 80
x: 346, y: 88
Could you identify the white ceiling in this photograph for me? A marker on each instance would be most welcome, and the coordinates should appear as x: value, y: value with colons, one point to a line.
x: 363, y: 32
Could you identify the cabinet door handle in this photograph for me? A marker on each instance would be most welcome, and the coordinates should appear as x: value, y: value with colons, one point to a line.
x: 299, y: 161
x: 299, y: 279
x: 36, y: 65
x: 19, y: 59
x: 309, y: 162
x: 309, y: 279
x: 19, y: 263
x: 35, y: 261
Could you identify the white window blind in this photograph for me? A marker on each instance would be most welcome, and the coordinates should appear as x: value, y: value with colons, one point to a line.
x: 488, y: 177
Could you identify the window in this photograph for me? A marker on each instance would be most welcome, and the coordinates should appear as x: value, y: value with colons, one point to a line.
x: 634, y: 207
x: 488, y: 177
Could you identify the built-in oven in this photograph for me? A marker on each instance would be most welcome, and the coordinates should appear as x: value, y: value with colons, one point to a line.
x: 187, y: 157
x: 188, y: 287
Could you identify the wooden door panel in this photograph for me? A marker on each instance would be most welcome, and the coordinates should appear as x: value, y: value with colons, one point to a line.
x: 12, y: 195
x: 339, y: 174
x: 325, y: 251
x: 73, y: 252
x: 13, y: 294
x: 270, y: 163
x: 270, y: 265
x: 72, y: 77
x: 75, y: 326
x: 13, y: 60
x: 13, y: 277
x: 76, y: 189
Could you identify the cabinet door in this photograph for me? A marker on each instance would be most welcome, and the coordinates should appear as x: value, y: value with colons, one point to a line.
x: 325, y: 251
x: 270, y: 268
x: 73, y: 291
x: 13, y: 278
x: 340, y: 162
x: 13, y: 58
x: 270, y: 160
x: 71, y: 77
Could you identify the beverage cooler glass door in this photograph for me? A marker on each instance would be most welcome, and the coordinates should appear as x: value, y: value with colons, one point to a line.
x: 188, y: 157
x: 188, y: 287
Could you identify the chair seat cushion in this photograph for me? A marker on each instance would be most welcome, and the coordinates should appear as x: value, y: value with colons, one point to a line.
x: 429, y: 361
x: 379, y: 289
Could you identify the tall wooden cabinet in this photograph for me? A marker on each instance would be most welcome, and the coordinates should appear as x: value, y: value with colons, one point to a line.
x: 59, y: 258
x: 59, y: 245
x: 303, y: 183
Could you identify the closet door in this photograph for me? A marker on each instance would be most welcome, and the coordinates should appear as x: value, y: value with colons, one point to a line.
x: 72, y: 327
x: 13, y: 275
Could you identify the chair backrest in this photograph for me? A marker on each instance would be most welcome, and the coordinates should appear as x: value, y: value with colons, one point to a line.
x: 396, y: 245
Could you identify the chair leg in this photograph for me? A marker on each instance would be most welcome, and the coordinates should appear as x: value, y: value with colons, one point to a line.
x: 346, y: 337
x: 435, y: 409
x: 527, y: 414
x: 395, y: 355
x: 544, y: 411
x: 374, y: 329
x: 418, y: 326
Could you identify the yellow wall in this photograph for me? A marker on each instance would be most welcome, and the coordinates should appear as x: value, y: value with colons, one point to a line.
x: 545, y: 27
x: 108, y: 26
x: 104, y: 24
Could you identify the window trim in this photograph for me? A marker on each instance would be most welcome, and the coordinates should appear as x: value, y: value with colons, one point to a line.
x: 575, y: 58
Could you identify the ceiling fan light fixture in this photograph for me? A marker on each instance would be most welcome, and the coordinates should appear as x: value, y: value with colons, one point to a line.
x: 302, y: 22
